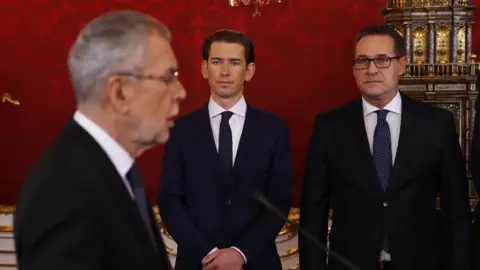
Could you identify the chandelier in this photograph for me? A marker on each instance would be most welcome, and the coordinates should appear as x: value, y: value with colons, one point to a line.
x: 254, y: 3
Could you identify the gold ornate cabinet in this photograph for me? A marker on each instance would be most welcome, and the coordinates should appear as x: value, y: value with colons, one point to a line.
x: 441, y: 68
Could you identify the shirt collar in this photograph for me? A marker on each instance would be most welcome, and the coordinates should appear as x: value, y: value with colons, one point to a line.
x: 120, y: 158
x: 240, y: 108
x: 395, y: 106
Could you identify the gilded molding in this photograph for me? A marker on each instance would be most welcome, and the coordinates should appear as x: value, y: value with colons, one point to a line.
x: 7, y: 265
x: 290, y: 252
x: 170, y: 251
x: 7, y: 209
x: 6, y: 229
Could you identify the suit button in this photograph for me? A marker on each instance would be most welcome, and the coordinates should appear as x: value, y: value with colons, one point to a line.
x: 385, y: 204
x: 228, y: 202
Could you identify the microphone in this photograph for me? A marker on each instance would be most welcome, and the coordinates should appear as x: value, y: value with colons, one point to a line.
x: 258, y: 196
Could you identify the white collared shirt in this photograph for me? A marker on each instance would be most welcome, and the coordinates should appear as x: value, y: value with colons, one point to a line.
x: 236, y: 122
x: 394, y: 118
x: 120, y: 158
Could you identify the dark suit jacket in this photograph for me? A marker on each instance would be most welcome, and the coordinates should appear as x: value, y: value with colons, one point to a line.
x: 428, y: 160
x: 475, y: 169
x: 201, y: 210
x: 74, y: 212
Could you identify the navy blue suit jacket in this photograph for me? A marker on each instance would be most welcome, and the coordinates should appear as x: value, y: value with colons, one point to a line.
x: 201, y: 210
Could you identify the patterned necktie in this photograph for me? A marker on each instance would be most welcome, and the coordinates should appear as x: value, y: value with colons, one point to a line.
x: 382, y: 156
x: 225, y: 144
x: 382, y: 149
x: 135, y: 179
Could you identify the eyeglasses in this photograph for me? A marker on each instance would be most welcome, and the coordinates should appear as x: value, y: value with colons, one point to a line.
x: 167, y: 79
x: 380, y: 62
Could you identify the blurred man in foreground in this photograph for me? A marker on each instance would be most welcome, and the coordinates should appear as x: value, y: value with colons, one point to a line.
x: 83, y: 205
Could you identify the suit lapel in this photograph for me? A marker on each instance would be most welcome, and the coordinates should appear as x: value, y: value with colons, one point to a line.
x: 128, y: 206
x: 247, y: 140
x: 208, y: 147
x: 362, y: 149
x: 407, y: 127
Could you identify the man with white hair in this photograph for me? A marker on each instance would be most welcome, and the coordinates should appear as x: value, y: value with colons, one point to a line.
x: 83, y: 205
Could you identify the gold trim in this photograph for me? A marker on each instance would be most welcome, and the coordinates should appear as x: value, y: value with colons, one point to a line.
x: 7, y: 265
x: 7, y: 98
x: 7, y: 209
x: 6, y: 229
x: 170, y: 251
x: 290, y: 252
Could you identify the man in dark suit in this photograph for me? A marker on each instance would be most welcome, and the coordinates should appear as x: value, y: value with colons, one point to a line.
x: 379, y: 162
x: 475, y: 169
x: 216, y: 156
x: 83, y: 205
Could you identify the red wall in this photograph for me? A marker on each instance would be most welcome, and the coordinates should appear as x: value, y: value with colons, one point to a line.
x: 303, y: 49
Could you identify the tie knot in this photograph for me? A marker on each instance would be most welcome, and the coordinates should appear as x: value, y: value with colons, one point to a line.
x: 226, y: 115
x: 381, y: 114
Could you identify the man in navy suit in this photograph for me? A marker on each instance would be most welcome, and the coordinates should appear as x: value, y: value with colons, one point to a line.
x: 215, y: 157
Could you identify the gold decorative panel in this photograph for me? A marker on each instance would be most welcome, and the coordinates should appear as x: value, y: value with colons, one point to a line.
x: 443, y: 43
x: 420, y: 45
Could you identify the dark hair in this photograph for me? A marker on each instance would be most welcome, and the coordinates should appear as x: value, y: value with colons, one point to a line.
x: 376, y: 30
x: 229, y: 36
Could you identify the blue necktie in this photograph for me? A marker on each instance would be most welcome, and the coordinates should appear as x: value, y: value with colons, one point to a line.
x: 225, y: 148
x: 135, y: 179
x: 382, y: 155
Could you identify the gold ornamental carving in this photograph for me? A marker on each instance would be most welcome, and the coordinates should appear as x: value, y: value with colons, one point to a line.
x: 443, y: 43
x: 256, y: 4
x: 6, y: 210
x: 7, y: 98
x: 420, y: 45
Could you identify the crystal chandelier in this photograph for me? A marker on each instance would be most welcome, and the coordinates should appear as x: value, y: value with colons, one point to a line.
x: 254, y: 3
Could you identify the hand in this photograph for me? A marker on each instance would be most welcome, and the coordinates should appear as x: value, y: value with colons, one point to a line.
x: 223, y: 259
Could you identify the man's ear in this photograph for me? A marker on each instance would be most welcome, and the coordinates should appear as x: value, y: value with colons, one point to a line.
x: 250, y: 71
x: 118, y: 93
x: 403, y: 65
x: 204, y: 69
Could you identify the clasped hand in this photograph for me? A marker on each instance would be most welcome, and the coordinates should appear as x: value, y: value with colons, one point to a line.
x: 223, y: 259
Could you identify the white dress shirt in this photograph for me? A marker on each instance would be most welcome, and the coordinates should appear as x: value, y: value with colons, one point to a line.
x: 394, y: 118
x: 120, y: 158
x: 236, y: 122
